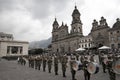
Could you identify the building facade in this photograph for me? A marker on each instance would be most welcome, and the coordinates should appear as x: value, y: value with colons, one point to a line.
x: 10, y: 47
x: 65, y: 42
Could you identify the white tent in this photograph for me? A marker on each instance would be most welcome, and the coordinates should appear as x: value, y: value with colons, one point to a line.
x: 80, y: 49
x: 104, y: 47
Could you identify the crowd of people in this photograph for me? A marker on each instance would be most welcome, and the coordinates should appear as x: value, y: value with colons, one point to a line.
x: 39, y: 62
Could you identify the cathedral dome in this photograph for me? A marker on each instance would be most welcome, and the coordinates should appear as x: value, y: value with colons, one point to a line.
x: 117, y: 24
x: 75, y: 11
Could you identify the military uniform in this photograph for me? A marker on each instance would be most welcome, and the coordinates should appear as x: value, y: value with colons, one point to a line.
x: 73, y: 72
x: 103, y: 63
x: 64, y: 64
x: 39, y: 62
x: 49, y: 64
x: 110, y: 70
x: 44, y: 63
x: 56, y: 65
x: 86, y: 73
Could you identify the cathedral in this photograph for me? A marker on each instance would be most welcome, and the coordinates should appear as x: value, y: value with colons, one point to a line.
x: 101, y: 35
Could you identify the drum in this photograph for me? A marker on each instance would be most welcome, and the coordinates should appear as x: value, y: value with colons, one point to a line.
x: 116, y: 66
x: 77, y: 65
x: 93, y: 67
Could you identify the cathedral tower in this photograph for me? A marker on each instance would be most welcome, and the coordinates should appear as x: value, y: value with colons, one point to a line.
x: 76, y: 26
x: 55, y: 30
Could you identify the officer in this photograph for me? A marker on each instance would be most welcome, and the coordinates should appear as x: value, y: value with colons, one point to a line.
x: 44, y: 63
x: 64, y: 64
x: 73, y: 72
x: 110, y: 70
x: 49, y: 64
x: 86, y: 73
x: 56, y: 61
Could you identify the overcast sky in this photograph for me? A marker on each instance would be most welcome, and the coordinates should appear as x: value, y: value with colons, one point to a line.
x: 31, y: 20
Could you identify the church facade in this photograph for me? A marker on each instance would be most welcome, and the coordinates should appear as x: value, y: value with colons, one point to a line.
x: 65, y: 42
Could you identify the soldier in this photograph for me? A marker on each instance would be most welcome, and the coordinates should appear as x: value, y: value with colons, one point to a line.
x: 44, y: 63
x: 56, y: 65
x: 82, y: 59
x: 77, y: 57
x: 110, y: 70
x: 103, y: 60
x: 64, y: 64
x: 36, y: 62
x: 73, y: 72
x: 92, y: 58
x: 49, y: 64
x: 32, y: 62
x: 86, y: 73
x: 29, y: 61
x: 39, y: 62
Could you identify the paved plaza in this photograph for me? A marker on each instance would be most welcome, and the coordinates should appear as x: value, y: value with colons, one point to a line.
x: 10, y: 70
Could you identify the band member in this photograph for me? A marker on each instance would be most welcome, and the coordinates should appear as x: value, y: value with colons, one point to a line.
x: 56, y: 65
x: 64, y: 64
x: 110, y: 70
x: 86, y: 73
x: 82, y: 59
x: 73, y: 72
x: 92, y: 58
x: 103, y: 59
x: 49, y: 64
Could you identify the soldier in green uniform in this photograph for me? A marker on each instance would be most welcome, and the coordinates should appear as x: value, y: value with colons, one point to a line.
x: 49, y: 63
x: 110, y: 70
x: 64, y: 64
x: 39, y: 62
x: 56, y: 61
x: 73, y: 72
x: 86, y: 73
x: 36, y: 62
x: 44, y: 63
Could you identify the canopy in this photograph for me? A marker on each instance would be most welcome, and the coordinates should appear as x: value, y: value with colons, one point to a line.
x: 80, y: 49
x: 104, y: 47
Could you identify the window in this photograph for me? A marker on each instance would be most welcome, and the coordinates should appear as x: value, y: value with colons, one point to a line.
x: 117, y: 31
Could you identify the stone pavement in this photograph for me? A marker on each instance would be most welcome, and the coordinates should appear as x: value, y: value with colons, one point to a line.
x: 10, y: 70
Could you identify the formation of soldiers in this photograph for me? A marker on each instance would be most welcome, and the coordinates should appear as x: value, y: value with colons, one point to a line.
x: 42, y: 61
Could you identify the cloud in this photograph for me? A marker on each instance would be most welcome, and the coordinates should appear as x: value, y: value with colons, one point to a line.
x: 32, y: 19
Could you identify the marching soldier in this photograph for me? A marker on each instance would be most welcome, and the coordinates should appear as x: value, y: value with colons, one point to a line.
x: 49, y: 64
x: 86, y: 73
x: 110, y: 70
x: 92, y: 58
x: 73, y: 72
x: 103, y: 60
x: 44, y: 63
x: 32, y: 62
x: 64, y: 64
x: 56, y: 65
x: 36, y: 62
x: 39, y: 62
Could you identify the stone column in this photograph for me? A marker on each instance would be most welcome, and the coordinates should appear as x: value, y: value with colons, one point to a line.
x: 10, y: 50
x: 18, y: 50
